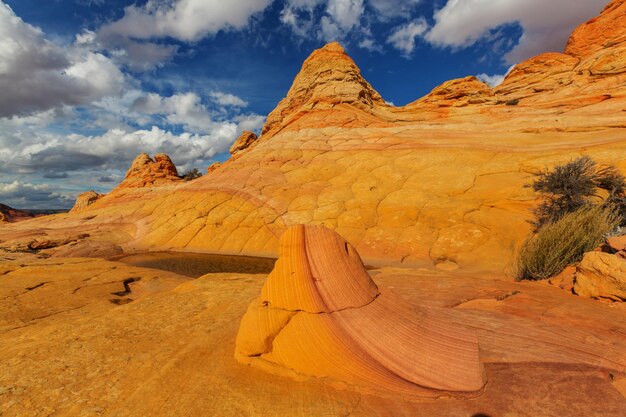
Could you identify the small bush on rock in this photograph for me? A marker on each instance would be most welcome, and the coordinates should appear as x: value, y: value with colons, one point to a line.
x: 191, y: 174
x: 565, y: 241
x: 581, y: 182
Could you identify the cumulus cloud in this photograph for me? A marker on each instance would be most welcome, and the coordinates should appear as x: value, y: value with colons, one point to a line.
x: 546, y: 24
x: 186, y: 20
x: 226, y: 99
x: 115, y: 149
x: 387, y: 9
x: 19, y: 194
x: 330, y: 20
x: 403, y: 37
x: 37, y: 74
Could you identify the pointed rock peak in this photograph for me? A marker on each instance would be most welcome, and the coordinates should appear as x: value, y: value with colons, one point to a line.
x: 317, y: 271
x: 333, y: 47
x: 328, y: 77
x: 145, y: 171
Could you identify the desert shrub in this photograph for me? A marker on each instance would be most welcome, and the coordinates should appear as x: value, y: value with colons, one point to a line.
x: 191, y: 174
x: 578, y: 183
x: 562, y: 242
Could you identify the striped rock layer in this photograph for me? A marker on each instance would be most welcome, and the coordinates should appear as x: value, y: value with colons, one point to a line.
x: 321, y: 315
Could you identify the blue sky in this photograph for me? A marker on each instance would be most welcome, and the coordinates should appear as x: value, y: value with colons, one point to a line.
x: 88, y: 84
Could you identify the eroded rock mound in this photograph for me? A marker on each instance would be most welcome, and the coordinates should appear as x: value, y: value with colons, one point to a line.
x: 85, y: 199
x: 321, y: 315
x: 9, y: 214
x: 601, y: 275
x: 145, y: 171
x: 243, y: 142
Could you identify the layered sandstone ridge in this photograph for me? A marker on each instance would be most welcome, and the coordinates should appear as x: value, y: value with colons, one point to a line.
x: 438, y: 182
x: 320, y: 314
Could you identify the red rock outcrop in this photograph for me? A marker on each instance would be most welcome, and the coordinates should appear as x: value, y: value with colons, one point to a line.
x: 9, y: 214
x: 145, y: 172
x: 84, y: 200
x: 320, y: 314
x: 243, y: 142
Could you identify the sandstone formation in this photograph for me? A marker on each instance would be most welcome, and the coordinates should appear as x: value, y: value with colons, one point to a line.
x: 85, y: 199
x: 74, y: 341
x: 148, y: 172
x: 9, y: 214
x: 320, y: 314
x: 438, y: 182
x: 214, y: 166
x: 243, y: 142
x: 601, y: 275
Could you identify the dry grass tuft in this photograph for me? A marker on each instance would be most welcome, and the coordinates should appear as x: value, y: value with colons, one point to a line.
x: 565, y: 241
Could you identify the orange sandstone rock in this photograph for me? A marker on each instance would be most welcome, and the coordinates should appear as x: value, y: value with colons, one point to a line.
x: 600, y: 32
x: 85, y: 199
x: 601, y: 275
x: 145, y: 171
x: 321, y: 315
x: 243, y: 142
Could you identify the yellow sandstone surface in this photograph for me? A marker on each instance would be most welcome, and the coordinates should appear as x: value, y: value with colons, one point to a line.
x: 438, y: 181
x: 437, y: 185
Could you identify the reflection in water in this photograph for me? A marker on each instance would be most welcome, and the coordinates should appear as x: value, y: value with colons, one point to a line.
x: 197, y: 264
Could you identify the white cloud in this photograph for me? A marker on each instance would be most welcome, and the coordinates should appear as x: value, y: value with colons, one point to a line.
x: 491, y: 80
x: 546, y: 24
x: 226, y: 99
x: 329, y: 20
x: 37, y: 74
x: 252, y: 122
x: 387, y: 9
x: 495, y: 79
x: 403, y: 37
x: 186, y: 20
x: 184, y: 109
x: 18, y: 194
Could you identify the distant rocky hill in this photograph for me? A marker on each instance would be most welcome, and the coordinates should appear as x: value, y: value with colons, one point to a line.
x: 438, y: 182
x: 9, y: 214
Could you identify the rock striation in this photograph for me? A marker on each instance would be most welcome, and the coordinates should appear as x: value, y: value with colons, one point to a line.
x: 147, y: 172
x: 321, y: 315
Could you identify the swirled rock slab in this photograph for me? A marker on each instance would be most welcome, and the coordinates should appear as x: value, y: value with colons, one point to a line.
x: 321, y: 315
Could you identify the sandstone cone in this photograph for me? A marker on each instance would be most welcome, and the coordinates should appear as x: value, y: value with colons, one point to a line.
x: 320, y: 314
x: 145, y: 171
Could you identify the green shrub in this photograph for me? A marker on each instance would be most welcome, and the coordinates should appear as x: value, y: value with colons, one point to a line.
x: 191, y: 174
x: 565, y: 241
x: 568, y: 187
